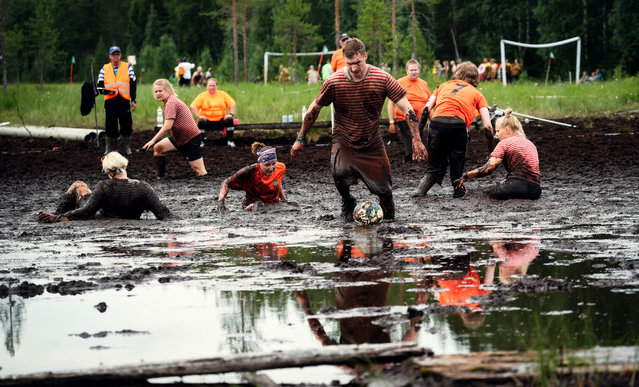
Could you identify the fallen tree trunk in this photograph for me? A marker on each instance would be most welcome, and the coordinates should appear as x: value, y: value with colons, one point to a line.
x: 338, y: 354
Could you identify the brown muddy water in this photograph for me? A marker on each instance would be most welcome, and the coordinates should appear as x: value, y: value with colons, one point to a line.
x: 456, y: 276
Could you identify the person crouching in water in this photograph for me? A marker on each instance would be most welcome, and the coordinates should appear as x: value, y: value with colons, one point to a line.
x: 185, y: 135
x: 520, y: 158
x: 261, y: 181
x: 118, y: 197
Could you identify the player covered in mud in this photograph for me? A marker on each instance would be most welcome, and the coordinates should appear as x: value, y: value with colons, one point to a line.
x: 452, y: 108
x: 261, y: 181
x: 520, y: 158
x: 185, y: 135
x: 358, y: 92
x: 118, y: 197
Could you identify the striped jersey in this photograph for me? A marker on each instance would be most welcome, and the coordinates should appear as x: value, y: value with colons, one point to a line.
x: 358, y: 106
x: 520, y: 158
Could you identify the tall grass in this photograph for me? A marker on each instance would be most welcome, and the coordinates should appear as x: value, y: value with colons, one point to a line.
x: 59, y: 105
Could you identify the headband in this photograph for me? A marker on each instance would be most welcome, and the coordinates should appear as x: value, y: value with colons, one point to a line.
x: 266, y: 155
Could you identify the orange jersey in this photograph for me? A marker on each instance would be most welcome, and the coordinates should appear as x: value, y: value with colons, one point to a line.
x: 417, y: 93
x: 213, y: 107
x: 457, y: 98
x: 458, y: 292
x: 337, y: 60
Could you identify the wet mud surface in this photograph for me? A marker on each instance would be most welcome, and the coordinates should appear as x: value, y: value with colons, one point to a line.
x: 588, y: 213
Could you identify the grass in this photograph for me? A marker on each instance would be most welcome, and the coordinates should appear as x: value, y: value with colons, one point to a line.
x: 59, y: 105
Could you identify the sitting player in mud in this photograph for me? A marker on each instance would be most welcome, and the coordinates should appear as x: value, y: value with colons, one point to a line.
x: 520, y: 159
x: 118, y: 197
x: 261, y: 181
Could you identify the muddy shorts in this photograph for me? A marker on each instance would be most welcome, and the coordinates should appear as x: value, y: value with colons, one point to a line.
x: 371, y: 166
x: 191, y: 150
x: 515, y: 189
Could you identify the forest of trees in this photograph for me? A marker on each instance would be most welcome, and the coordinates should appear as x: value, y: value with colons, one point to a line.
x: 39, y: 38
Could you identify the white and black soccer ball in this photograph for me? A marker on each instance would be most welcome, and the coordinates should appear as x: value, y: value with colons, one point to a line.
x: 368, y: 212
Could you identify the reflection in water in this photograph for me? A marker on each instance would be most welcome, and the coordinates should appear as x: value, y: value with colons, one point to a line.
x: 460, y: 283
x: 12, y: 312
x: 517, y: 256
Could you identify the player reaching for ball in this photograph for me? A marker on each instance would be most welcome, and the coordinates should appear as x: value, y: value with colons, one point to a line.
x: 358, y: 92
x: 520, y: 159
x: 261, y: 181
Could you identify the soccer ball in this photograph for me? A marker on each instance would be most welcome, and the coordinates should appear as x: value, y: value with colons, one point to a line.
x: 368, y: 212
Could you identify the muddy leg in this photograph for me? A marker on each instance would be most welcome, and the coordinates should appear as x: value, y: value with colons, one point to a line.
x: 388, y: 205
x: 161, y: 164
x: 425, y: 185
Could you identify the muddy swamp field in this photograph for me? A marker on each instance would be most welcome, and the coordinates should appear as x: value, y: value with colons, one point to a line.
x: 102, y: 300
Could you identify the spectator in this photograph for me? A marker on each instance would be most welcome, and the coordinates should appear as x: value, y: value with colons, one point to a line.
x: 284, y: 75
x: 453, y: 67
x: 117, y: 82
x: 493, y: 69
x: 482, y: 69
x: 186, y: 67
x: 312, y: 75
x: 596, y: 76
x: 179, y: 71
x: 445, y: 70
x: 584, y: 77
x: 337, y: 60
x: 198, y: 75
x: 515, y: 71
x: 326, y: 71
x: 437, y: 69
x: 417, y: 93
x: 208, y: 74
x: 215, y: 110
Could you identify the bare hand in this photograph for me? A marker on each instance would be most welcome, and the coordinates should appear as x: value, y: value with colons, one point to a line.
x: 419, y: 151
x: 297, y: 149
x: 148, y: 145
x: 221, y: 207
x: 460, y: 182
x: 133, y: 106
x: 45, y: 217
x: 392, y: 129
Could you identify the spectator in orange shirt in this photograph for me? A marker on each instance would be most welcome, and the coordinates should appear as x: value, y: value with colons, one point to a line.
x: 452, y: 108
x: 337, y: 60
x: 261, y: 181
x: 214, y: 110
x: 417, y: 93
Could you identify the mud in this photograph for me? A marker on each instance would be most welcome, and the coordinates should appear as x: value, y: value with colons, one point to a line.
x: 588, y: 213
x: 589, y: 173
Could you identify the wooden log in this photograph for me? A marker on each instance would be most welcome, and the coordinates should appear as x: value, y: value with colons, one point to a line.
x: 331, y: 355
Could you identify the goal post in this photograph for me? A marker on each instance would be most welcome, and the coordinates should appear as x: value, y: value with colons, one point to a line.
x: 267, y: 54
x: 545, y: 45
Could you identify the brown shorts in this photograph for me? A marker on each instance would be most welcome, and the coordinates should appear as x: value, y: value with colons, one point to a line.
x: 370, y: 165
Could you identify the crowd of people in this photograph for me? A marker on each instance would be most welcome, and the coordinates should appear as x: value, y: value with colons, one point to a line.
x: 595, y: 76
x: 489, y: 70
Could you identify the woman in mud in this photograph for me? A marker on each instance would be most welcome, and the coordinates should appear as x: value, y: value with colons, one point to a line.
x: 185, y: 135
x: 118, y: 197
x: 520, y: 159
x: 261, y: 181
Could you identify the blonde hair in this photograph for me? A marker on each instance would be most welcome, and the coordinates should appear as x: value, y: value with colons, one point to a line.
x: 112, y: 161
x: 166, y: 85
x: 512, y: 122
x: 467, y: 72
x: 413, y: 61
x: 258, y: 146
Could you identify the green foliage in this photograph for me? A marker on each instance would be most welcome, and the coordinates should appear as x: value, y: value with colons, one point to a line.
x: 41, y: 36
x: 375, y: 31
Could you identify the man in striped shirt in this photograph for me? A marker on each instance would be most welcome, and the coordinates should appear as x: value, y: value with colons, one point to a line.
x: 358, y: 92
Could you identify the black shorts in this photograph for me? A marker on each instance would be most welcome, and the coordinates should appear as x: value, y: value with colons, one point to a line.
x: 191, y: 150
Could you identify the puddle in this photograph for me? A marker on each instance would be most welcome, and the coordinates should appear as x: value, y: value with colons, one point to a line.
x: 487, y: 288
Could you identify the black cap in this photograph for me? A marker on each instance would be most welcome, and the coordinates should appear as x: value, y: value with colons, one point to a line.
x: 344, y: 37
